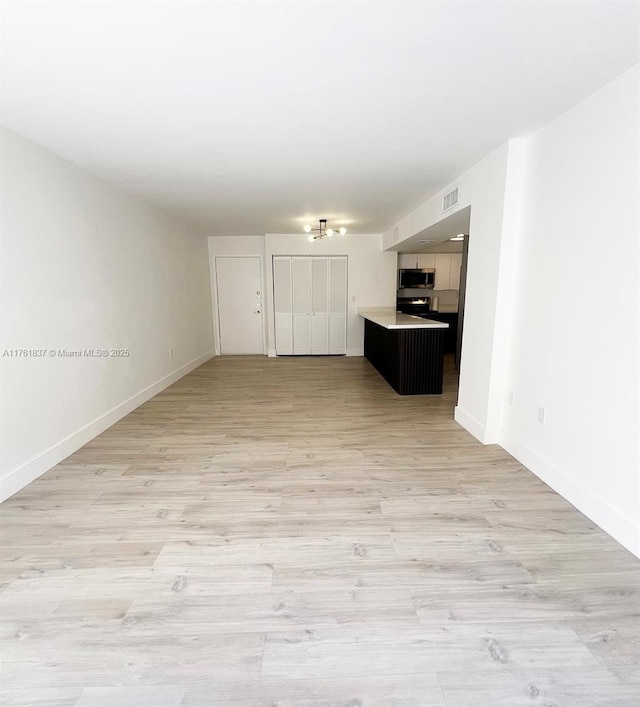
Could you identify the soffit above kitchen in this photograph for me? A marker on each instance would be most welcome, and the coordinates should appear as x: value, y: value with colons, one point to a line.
x: 437, y: 238
x: 260, y: 117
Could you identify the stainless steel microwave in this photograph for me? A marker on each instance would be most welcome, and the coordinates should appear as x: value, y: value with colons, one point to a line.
x: 416, y: 278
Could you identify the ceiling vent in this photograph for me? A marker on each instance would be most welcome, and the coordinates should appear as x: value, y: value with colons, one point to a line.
x: 450, y: 199
x: 424, y: 242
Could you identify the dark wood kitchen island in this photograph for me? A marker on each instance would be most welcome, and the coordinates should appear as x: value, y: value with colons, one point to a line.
x: 407, y: 351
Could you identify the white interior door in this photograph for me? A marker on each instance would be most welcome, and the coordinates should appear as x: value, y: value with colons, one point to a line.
x: 239, y: 295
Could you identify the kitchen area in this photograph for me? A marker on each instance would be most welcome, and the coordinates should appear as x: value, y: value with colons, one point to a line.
x: 428, y: 286
x: 407, y: 346
x: 400, y: 308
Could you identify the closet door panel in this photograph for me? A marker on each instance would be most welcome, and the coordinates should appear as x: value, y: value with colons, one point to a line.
x: 338, y: 285
x: 283, y: 305
x: 301, y: 270
x: 338, y: 334
x: 338, y: 305
x: 301, y: 335
x: 319, y: 305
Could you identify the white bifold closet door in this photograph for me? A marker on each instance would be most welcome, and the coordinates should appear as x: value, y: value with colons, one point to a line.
x: 283, y: 305
x: 319, y: 306
x: 337, y: 305
x: 301, y: 268
x: 310, y: 302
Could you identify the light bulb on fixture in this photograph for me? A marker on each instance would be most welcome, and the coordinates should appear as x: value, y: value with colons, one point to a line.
x: 322, y: 231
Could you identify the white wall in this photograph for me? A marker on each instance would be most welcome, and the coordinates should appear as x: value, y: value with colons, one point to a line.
x: 552, y: 304
x: 85, y: 265
x: 482, y: 187
x: 371, y: 276
x: 575, y: 332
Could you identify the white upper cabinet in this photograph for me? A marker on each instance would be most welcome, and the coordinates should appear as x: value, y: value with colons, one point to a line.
x: 408, y: 261
x: 443, y: 271
x: 456, y: 264
x: 426, y: 260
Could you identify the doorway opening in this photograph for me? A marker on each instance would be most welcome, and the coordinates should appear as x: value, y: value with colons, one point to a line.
x: 441, y: 250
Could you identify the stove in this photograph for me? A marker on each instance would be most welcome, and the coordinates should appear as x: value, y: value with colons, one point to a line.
x: 419, y: 306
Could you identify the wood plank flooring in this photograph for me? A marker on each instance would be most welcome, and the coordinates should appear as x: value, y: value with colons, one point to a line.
x: 290, y: 532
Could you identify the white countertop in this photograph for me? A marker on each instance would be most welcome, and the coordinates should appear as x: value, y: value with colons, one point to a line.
x: 388, y: 318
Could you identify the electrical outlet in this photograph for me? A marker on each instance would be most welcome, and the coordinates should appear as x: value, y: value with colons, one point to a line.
x: 542, y: 414
x: 510, y: 398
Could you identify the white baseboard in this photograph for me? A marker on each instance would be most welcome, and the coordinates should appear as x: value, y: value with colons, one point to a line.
x: 486, y: 435
x: 350, y: 352
x: 623, y: 529
x: 25, y: 474
x: 355, y: 351
x: 492, y: 435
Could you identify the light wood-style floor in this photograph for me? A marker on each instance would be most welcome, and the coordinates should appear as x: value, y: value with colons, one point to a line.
x: 291, y: 532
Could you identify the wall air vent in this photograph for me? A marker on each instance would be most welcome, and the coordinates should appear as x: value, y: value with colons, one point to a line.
x: 450, y: 199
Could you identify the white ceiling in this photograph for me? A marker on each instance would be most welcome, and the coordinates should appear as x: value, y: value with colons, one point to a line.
x: 258, y: 117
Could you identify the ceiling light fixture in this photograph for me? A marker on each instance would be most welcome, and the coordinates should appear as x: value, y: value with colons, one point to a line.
x: 459, y: 237
x: 316, y: 233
